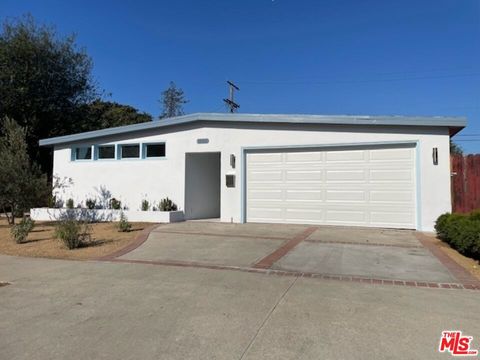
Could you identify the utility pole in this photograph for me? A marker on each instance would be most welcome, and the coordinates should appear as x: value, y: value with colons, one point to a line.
x: 230, y: 101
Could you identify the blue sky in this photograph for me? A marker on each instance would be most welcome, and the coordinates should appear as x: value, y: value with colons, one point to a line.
x: 288, y: 56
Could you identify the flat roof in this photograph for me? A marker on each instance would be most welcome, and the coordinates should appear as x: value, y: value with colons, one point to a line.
x: 454, y: 123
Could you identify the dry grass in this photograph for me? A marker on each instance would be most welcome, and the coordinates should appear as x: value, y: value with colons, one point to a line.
x: 41, y: 242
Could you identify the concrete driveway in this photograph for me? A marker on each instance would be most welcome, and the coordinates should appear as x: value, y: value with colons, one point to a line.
x: 57, y: 309
x: 379, y: 254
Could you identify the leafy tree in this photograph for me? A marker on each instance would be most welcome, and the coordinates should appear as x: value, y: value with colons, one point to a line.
x: 22, y: 185
x: 455, y: 149
x: 104, y: 114
x: 44, y: 78
x: 172, y: 101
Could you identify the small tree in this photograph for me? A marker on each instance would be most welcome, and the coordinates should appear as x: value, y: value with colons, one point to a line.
x: 455, y: 149
x: 172, y: 101
x: 22, y: 185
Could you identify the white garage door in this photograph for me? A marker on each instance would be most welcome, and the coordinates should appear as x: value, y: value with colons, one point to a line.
x: 343, y: 186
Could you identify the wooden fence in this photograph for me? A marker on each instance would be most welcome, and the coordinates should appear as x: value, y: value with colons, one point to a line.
x: 465, y: 183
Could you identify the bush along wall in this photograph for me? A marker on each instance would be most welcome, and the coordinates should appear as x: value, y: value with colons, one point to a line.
x: 461, y: 232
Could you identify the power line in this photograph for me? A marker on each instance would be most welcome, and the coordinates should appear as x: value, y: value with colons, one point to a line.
x: 282, y: 82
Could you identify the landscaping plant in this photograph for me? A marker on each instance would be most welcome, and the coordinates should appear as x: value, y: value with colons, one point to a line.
x: 115, y: 204
x: 123, y: 224
x: 461, y: 232
x: 145, y: 205
x: 70, y: 204
x: 91, y: 203
x: 21, y: 230
x: 72, y: 232
x: 167, y: 205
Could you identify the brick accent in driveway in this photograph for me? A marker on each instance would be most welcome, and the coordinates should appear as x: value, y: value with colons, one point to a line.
x: 139, y: 240
x: 460, y: 273
x: 347, y: 278
x: 283, y: 250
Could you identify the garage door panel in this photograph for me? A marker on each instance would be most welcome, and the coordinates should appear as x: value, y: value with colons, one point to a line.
x: 389, y: 155
x: 304, y: 175
x: 298, y: 215
x: 257, y: 175
x: 346, y: 175
x: 345, y: 196
x: 265, y: 194
x: 264, y: 214
x: 266, y: 158
x: 346, y: 156
x: 304, y: 194
x: 385, y: 218
x: 295, y: 157
x: 391, y: 175
x: 345, y: 216
x: 391, y: 196
x: 366, y: 187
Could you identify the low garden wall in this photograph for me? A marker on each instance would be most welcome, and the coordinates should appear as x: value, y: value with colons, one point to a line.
x: 99, y: 215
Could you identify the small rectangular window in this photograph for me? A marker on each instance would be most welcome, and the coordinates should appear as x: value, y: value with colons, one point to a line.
x: 130, y: 151
x: 155, y: 150
x: 106, y: 152
x: 83, y: 153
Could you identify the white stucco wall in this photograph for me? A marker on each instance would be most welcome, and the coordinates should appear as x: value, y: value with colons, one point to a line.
x: 133, y: 180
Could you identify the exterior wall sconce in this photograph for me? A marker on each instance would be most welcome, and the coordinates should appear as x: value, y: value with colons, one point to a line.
x: 232, y: 161
x: 435, y: 156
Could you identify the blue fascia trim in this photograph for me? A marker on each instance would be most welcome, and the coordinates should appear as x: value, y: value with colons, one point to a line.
x: 434, y: 121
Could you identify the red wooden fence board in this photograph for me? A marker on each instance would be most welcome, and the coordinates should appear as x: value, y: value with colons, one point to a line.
x: 465, y: 183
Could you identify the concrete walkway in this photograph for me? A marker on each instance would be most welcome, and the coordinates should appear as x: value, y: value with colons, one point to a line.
x: 57, y: 309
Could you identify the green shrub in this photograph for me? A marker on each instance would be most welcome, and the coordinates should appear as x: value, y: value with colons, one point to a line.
x: 123, y: 224
x: 145, y: 205
x: 91, y: 203
x: 69, y: 204
x: 167, y: 205
x: 115, y: 204
x: 73, y: 233
x: 475, y: 215
x: 21, y: 230
x: 441, y: 224
x: 461, y: 232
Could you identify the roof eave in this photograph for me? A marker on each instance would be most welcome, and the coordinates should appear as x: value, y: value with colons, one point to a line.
x: 454, y: 123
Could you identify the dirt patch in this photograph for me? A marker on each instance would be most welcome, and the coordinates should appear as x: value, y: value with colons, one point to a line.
x: 41, y: 242
x: 472, y: 266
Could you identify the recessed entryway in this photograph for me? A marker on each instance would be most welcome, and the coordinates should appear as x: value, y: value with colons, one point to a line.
x: 202, y: 185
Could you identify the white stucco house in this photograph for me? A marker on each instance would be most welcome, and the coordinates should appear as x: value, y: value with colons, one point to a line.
x: 374, y: 171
